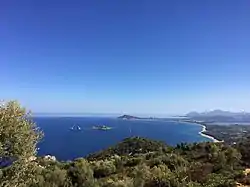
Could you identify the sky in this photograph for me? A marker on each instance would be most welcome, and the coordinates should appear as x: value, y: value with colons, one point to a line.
x: 126, y: 56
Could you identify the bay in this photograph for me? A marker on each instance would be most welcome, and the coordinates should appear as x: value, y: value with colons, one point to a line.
x: 65, y: 144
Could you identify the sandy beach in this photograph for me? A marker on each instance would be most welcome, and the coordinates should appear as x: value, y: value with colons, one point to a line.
x: 207, y: 136
x: 203, y: 130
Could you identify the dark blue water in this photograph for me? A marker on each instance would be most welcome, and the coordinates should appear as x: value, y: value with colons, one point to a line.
x: 65, y: 144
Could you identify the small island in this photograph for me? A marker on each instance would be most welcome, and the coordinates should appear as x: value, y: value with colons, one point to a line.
x: 101, y: 127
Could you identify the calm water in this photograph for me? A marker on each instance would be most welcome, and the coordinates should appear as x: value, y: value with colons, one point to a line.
x: 65, y: 144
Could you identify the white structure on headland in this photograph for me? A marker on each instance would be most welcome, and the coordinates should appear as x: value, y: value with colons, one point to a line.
x: 49, y: 157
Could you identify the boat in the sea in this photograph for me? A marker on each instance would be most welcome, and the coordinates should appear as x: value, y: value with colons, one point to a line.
x: 75, y: 128
x: 101, y: 127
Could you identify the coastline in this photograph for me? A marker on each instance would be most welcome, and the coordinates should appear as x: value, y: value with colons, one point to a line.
x: 205, y: 135
x: 204, y: 129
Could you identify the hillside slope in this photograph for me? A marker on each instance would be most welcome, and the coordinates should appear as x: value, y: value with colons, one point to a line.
x: 140, y: 162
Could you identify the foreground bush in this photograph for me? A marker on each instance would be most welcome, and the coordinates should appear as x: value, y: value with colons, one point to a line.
x: 18, y: 139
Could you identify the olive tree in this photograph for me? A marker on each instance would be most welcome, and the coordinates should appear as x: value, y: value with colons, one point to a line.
x: 18, y: 139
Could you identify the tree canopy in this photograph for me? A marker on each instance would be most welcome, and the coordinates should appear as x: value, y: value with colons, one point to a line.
x: 18, y: 139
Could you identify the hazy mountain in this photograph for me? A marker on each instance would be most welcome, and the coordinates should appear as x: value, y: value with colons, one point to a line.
x: 193, y: 114
x: 220, y: 116
x: 217, y: 113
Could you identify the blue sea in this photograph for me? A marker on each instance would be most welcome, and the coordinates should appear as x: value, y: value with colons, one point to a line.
x: 66, y: 144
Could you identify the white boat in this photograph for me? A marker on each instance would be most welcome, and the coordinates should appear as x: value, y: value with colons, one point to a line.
x: 75, y: 128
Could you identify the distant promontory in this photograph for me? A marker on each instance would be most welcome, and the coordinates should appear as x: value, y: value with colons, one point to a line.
x: 128, y: 117
x: 135, y: 117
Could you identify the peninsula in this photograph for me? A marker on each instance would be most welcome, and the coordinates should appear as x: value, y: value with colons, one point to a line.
x: 134, y: 117
x: 128, y: 117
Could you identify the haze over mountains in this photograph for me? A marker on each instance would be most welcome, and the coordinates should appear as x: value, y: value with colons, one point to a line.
x: 220, y: 116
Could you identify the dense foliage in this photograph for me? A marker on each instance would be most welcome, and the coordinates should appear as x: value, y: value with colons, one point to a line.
x: 135, y: 162
x: 18, y: 139
x: 127, y: 147
x: 192, y: 165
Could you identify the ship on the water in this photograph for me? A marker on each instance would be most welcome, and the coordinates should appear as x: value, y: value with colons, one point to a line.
x: 101, y: 127
x: 75, y: 128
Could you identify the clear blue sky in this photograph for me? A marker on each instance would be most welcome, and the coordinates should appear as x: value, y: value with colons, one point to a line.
x: 126, y: 56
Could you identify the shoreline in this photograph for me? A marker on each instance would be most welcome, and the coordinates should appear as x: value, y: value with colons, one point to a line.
x: 207, y: 136
x: 204, y: 129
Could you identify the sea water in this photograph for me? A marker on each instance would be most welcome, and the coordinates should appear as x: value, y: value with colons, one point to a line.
x: 66, y: 144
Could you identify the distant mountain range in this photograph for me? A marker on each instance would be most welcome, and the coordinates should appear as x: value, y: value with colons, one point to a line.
x: 220, y: 116
x: 217, y: 113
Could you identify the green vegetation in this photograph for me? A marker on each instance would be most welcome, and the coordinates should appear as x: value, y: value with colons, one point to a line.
x: 230, y: 134
x: 151, y: 164
x: 135, y: 162
x: 18, y: 139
